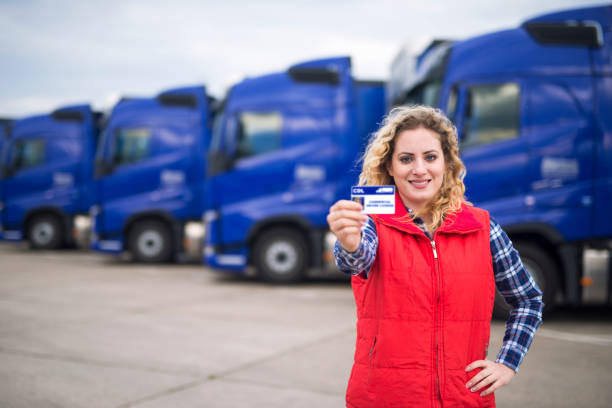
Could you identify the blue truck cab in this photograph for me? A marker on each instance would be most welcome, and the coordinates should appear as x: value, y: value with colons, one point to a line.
x: 532, y: 105
x: 284, y: 149
x: 47, y: 175
x: 150, y: 170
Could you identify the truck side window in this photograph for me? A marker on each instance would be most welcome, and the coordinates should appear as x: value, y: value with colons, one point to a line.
x: 217, y: 133
x: 258, y: 133
x: 491, y: 114
x: 28, y: 153
x: 131, y: 145
x: 424, y: 94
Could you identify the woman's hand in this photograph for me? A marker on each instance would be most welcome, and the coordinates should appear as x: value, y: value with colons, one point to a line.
x: 345, y: 220
x: 494, y: 374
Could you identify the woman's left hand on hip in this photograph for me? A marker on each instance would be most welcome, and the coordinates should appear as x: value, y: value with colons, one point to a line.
x: 494, y: 375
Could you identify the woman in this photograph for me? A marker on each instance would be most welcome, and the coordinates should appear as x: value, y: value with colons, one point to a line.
x: 424, y: 277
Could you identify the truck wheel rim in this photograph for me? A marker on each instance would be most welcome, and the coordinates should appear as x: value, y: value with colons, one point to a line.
x: 42, y: 233
x: 150, y: 243
x: 281, y: 257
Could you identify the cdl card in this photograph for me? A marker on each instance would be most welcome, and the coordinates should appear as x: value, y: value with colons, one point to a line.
x: 375, y: 199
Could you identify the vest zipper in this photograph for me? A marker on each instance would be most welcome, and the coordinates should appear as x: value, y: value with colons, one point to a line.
x: 437, y: 312
x: 370, y: 362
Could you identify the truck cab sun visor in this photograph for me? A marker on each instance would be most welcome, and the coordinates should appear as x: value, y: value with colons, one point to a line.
x: 570, y: 33
x: 66, y: 114
x: 314, y: 75
x: 173, y: 99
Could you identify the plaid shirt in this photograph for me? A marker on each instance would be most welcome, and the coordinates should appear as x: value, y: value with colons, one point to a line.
x: 511, y: 279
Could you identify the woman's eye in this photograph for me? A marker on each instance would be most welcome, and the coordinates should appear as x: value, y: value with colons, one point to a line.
x: 405, y: 159
x: 431, y: 157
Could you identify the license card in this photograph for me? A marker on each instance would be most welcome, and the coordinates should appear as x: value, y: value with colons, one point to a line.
x: 375, y: 199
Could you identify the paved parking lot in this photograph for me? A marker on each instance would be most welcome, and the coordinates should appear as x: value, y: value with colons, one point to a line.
x: 78, y: 329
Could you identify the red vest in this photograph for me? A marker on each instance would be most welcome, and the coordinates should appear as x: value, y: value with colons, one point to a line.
x: 424, y: 313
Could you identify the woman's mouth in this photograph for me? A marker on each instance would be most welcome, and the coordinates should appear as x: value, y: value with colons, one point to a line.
x: 419, y: 183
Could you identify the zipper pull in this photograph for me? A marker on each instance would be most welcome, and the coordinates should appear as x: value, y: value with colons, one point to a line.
x: 372, y: 349
x: 433, y: 246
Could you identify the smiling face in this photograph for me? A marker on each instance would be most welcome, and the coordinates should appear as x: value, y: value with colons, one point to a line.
x: 417, y: 166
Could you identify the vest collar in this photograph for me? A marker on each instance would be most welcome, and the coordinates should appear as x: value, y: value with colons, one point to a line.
x: 461, y: 222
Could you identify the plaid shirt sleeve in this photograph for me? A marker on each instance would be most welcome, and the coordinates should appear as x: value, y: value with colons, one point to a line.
x: 360, y: 261
x: 520, y: 292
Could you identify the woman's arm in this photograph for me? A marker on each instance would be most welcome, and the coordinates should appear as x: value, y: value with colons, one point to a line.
x: 523, y: 295
x: 520, y: 292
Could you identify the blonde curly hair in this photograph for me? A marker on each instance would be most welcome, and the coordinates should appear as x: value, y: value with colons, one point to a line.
x: 379, y: 151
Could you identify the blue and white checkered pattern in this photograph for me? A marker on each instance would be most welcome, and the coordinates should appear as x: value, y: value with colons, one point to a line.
x: 511, y: 278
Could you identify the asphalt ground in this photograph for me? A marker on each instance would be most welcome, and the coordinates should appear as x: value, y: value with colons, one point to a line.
x: 80, y: 329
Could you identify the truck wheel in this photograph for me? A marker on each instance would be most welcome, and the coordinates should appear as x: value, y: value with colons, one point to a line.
x: 544, y: 271
x: 280, y: 256
x: 45, y: 232
x: 151, y: 242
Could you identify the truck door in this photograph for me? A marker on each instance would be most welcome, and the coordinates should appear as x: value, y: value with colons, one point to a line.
x: 130, y: 171
x: 490, y: 120
x: 561, y: 135
x: 252, y: 143
x: 278, y: 154
x: 24, y: 183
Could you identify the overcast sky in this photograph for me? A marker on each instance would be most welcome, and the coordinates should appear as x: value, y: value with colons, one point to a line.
x: 54, y: 53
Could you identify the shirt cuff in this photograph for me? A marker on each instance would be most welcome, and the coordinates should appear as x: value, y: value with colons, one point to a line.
x: 350, y: 262
x: 510, y: 356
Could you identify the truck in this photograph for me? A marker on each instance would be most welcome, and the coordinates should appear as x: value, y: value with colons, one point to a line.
x: 150, y: 171
x: 47, y: 175
x: 284, y: 148
x: 531, y: 105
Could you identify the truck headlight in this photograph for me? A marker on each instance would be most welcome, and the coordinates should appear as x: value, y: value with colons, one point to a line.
x: 194, y: 230
x: 82, y: 222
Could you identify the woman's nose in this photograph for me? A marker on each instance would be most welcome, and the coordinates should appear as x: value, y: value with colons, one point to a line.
x: 419, y: 167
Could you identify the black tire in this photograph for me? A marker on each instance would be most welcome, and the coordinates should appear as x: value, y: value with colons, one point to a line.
x: 45, y: 232
x: 544, y: 271
x: 150, y: 242
x: 280, y: 256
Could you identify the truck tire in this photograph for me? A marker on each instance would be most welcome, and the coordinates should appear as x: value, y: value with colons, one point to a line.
x: 544, y: 271
x: 150, y: 242
x: 280, y: 256
x: 45, y: 232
